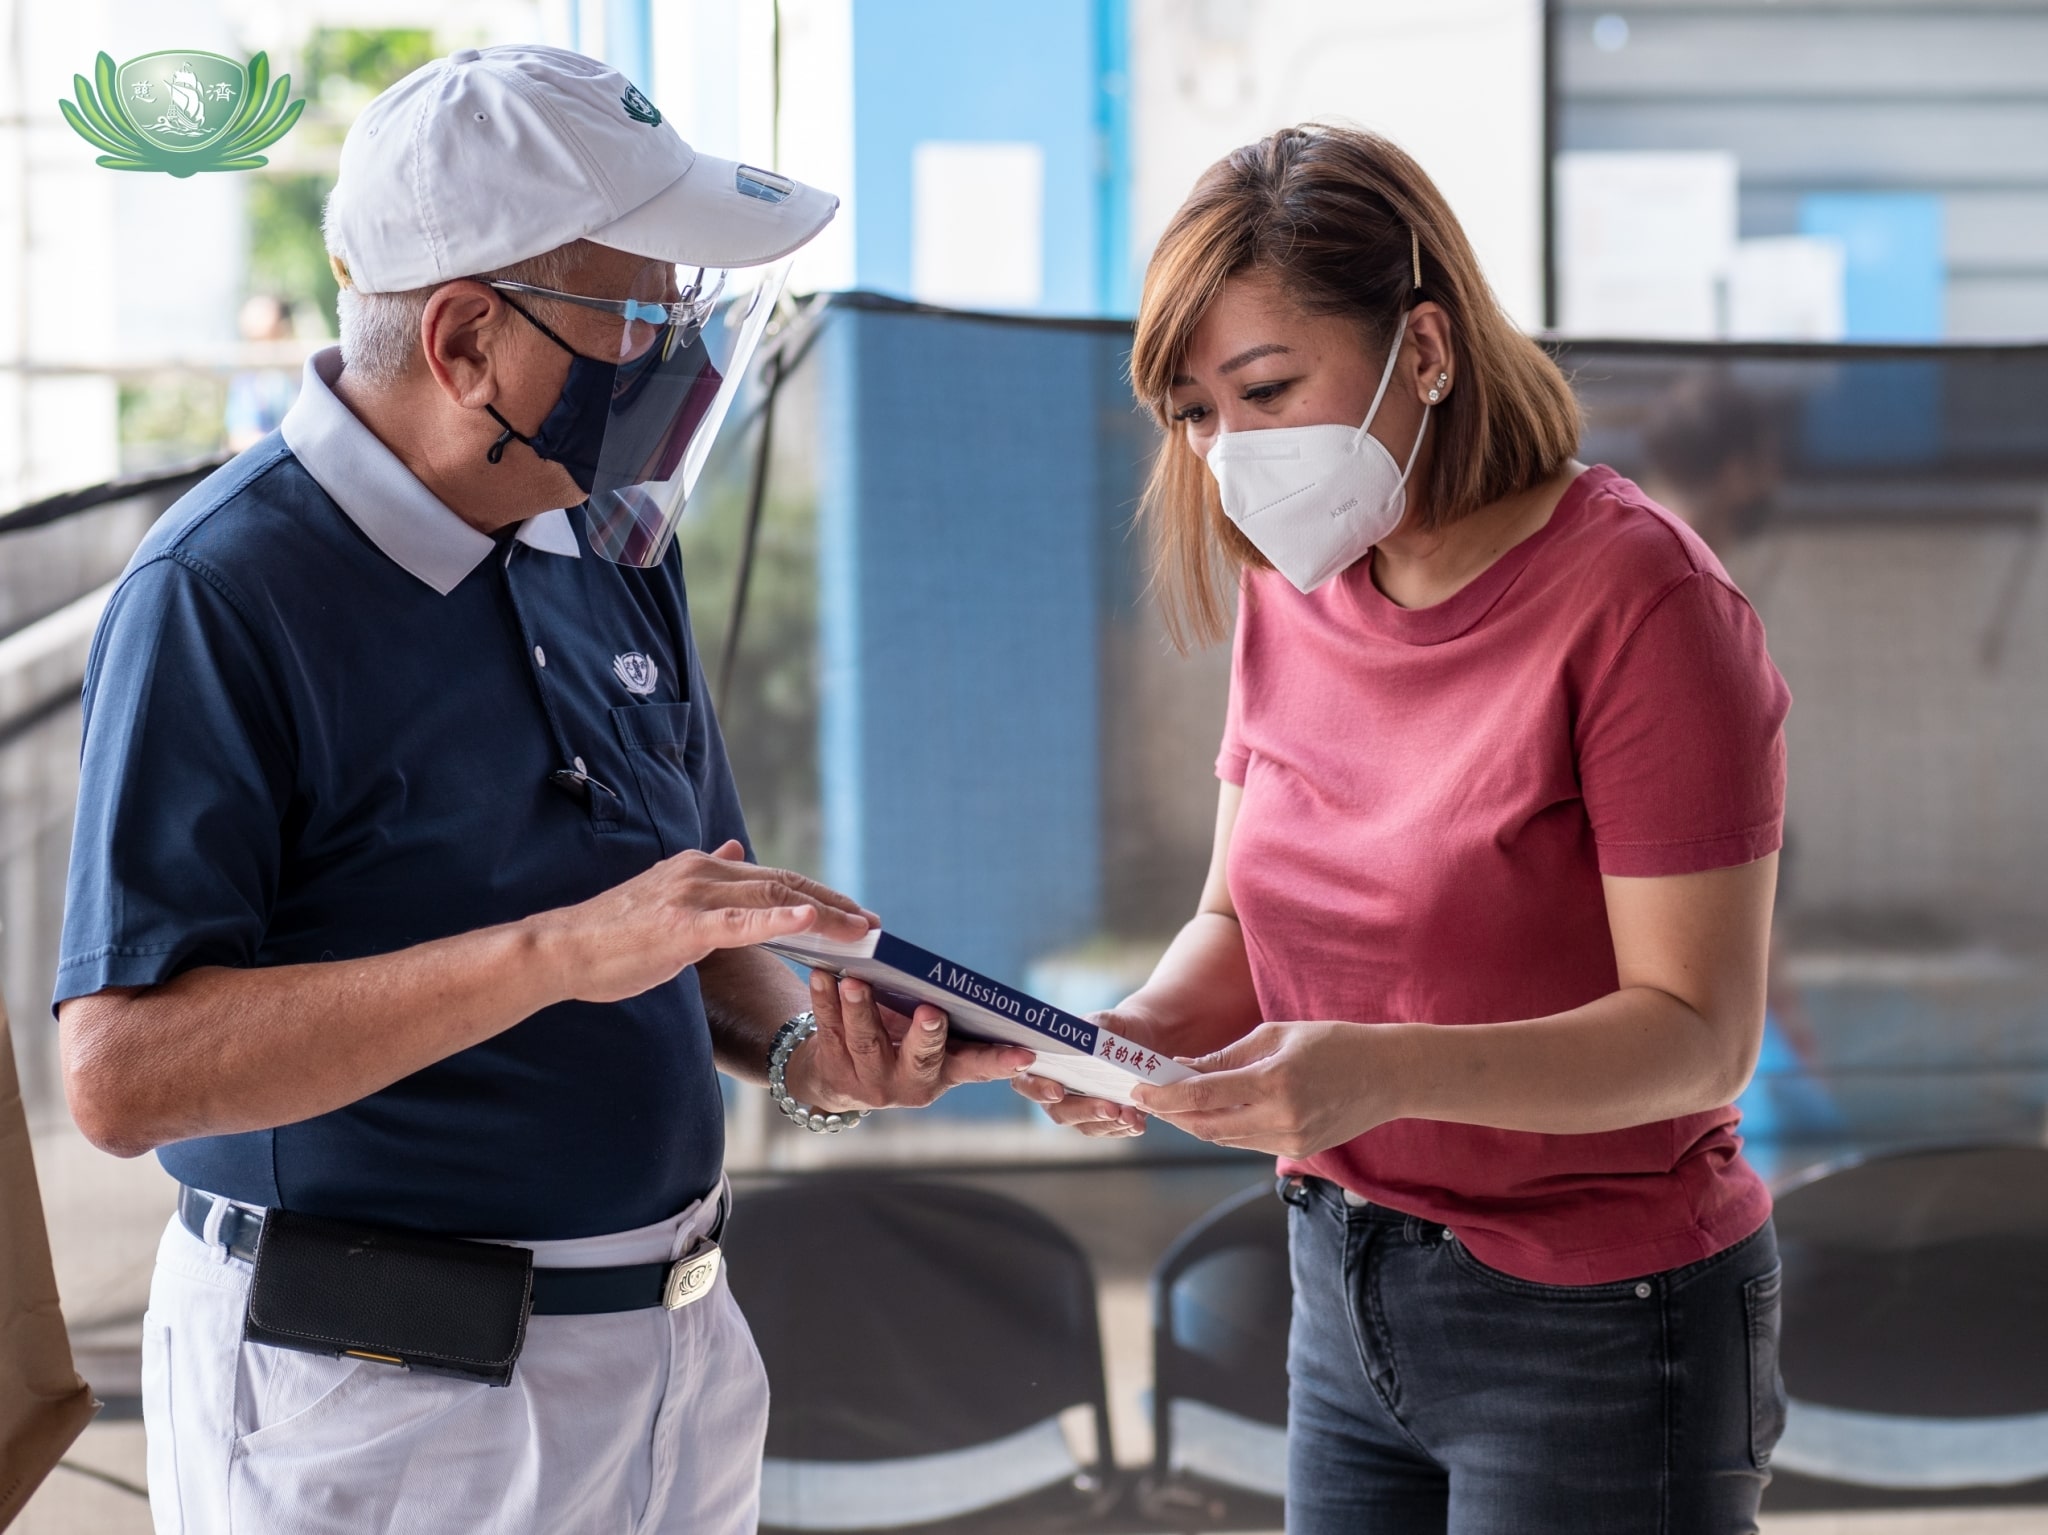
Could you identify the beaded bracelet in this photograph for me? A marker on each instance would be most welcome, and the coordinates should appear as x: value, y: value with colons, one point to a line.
x: 787, y: 1038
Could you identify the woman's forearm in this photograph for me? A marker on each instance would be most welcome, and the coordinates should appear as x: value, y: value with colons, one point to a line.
x: 1635, y: 1056
x: 1678, y: 1035
x: 1632, y: 1057
x: 1200, y: 994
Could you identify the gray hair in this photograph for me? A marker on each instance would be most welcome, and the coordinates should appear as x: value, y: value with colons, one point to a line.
x: 380, y: 332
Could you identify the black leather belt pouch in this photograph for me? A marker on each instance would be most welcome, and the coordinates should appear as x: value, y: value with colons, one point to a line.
x: 428, y: 1303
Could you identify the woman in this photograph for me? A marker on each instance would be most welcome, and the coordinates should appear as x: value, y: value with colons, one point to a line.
x: 1503, y: 776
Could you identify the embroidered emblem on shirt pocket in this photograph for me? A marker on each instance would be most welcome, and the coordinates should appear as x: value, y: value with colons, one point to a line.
x: 636, y: 673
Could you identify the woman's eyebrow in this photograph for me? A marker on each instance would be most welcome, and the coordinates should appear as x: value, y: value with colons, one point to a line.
x: 1241, y: 360
x: 1252, y: 355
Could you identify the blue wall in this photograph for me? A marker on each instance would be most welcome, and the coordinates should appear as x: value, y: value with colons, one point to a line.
x: 628, y: 39
x: 961, y: 521
x: 941, y: 69
x: 960, y: 567
x: 1895, y: 281
x: 1894, y: 288
x: 1116, y: 278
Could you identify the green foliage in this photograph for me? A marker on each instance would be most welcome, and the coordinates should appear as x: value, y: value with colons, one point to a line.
x: 345, y: 66
x: 169, y: 419
x: 770, y: 719
x: 286, y: 254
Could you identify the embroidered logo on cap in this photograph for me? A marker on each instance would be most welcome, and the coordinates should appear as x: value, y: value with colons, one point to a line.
x: 639, y: 108
x: 635, y: 672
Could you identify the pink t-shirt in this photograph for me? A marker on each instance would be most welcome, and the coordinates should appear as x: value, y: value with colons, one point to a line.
x: 1431, y: 796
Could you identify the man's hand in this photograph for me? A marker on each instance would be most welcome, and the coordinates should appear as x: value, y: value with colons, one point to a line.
x: 639, y: 934
x: 1091, y: 1116
x: 867, y: 1057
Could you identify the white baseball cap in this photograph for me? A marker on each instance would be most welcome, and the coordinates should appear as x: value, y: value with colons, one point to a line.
x: 495, y: 155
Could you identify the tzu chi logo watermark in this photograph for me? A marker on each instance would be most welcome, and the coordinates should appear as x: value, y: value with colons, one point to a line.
x: 181, y: 112
x: 635, y: 672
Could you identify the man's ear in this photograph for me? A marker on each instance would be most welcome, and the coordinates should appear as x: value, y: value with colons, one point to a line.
x: 1429, y: 330
x: 461, y: 329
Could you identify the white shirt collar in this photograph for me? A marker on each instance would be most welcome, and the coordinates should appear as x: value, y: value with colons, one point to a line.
x: 398, y: 514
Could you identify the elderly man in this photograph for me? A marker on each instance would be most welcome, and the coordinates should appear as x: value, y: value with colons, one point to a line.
x: 410, y: 902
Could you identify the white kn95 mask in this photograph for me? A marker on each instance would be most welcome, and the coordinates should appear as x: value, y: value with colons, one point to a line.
x: 1314, y: 499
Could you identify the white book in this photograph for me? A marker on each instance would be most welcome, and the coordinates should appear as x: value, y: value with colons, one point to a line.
x: 1082, y: 1057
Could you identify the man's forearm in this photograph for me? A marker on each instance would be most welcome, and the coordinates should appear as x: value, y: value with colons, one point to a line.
x: 748, y: 995
x: 215, y: 1050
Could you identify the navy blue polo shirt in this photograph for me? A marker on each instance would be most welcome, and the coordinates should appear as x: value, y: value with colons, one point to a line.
x: 321, y: 715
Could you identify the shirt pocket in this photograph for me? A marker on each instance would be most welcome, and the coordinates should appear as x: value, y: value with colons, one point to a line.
x: 656, y: 739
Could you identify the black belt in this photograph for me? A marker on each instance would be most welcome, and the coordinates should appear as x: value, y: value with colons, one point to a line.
x: 556, y: 1292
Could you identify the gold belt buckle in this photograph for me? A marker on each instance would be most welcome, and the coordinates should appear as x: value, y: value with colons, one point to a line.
x: 690, y: 1278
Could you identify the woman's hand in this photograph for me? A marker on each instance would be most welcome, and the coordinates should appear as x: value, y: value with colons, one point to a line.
x: 1091, y: 1116
x: 1292, y: 1089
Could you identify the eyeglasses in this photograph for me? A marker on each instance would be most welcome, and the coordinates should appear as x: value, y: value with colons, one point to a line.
x: 690, y: 311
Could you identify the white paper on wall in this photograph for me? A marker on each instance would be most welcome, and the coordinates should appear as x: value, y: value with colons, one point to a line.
x: 1645, y: 242
x: 1787, y: 288
x: 978, y: 224
x: 1210, y: 75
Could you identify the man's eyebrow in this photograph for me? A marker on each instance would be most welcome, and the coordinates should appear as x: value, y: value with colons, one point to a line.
x: 1253, y: 354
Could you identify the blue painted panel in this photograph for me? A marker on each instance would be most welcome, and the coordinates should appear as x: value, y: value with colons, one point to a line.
x: 959, y: 564
x: 936, y: 69
x: 1116, y: 279
x: 1896, y: 280
x: 842, y: 704
x: 629, y: 40
x: 1875, y: 413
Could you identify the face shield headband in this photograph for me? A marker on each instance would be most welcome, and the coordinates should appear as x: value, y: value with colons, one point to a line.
x: 635, y: 434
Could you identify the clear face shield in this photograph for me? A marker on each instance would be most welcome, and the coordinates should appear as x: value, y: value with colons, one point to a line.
x: 634, y: 433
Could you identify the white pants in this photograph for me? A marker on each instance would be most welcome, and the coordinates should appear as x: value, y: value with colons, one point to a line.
x: 648, y: 1422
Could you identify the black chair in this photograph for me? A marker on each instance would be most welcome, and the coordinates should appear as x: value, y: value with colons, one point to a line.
x: 1221, y: 1298
x: 1915, y: 1343
x: 923, y: 1342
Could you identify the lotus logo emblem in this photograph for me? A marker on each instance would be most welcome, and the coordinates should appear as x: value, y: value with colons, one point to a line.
x: 635, y: 672
x: 181, y: 112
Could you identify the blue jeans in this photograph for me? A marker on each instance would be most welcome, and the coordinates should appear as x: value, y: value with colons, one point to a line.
x: 1429, y: 1392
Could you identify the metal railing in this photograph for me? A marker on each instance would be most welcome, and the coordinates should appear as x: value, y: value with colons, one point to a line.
x: 1946, y: 1047
x: 63, y: 553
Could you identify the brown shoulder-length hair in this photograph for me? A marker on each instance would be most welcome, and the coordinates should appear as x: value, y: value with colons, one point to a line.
x: 1341, y: 218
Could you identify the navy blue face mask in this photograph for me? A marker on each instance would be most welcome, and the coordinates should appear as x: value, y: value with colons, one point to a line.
x: 620, y: 423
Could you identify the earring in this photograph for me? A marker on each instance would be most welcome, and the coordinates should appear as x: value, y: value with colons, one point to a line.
x: 1438, y: 392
